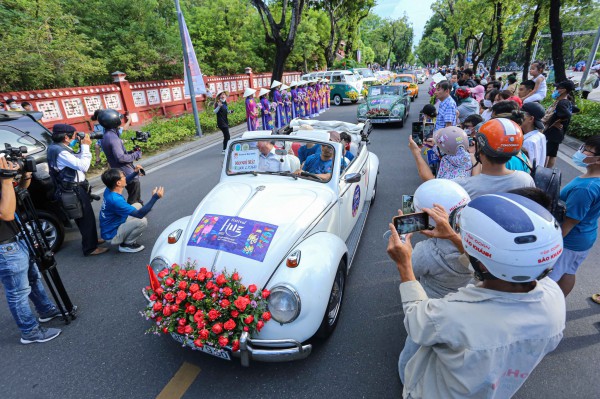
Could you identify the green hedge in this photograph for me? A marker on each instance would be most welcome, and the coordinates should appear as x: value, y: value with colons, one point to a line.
x: 167, y: 132
x: 586, y: 122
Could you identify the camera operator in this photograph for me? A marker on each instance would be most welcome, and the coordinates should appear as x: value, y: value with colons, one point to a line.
x: 115, y: 152
x: 67, y: 169
x: 21, y: 279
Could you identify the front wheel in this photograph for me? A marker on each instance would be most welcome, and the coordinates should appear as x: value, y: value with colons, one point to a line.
x: 334, y: 305
x: 337, y: 99
x: 52, y: 229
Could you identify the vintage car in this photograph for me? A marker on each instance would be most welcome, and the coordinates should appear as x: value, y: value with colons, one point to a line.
x: 344, y: 85
x: 385, y: 104
x: 317, y: 223
x: 410, y: 82
x: 421, y: 77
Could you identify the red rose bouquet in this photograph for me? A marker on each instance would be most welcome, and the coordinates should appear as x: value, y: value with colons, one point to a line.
x: 374, y: 112
x: 204, y: 307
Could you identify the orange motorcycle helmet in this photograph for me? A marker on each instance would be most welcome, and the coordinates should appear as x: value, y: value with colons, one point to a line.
x: 499, y: 137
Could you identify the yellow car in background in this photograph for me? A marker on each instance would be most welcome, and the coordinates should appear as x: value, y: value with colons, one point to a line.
x: 410, y: 81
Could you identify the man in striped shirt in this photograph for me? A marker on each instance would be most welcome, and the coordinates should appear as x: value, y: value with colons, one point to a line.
x: 447, y: 108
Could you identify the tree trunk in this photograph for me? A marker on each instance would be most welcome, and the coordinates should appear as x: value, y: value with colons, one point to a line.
x: 530, y: 39
x: 282, y: 51
x: 329, y: 50
x: 500, y: 41
x: 557, y: 42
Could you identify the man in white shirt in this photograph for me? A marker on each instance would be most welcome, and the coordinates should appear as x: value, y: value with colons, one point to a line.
x: 534, y: 141
x: 485, y: 340
x: 267, y: 160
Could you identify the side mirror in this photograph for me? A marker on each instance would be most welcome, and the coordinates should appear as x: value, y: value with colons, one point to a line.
x: 352, y: 178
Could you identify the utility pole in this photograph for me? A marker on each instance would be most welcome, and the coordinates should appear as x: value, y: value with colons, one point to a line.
x: 591, y: 58
x: 188, y: 72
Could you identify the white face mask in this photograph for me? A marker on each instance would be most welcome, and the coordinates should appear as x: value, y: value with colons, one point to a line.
x: 487, y: 103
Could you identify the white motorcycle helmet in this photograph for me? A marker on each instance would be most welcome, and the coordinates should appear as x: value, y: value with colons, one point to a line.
x: 515, y: 238
x: 444, y: 192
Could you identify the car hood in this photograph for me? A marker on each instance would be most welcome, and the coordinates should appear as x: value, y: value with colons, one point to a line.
x: 251, y: 227
x: 383, y: 101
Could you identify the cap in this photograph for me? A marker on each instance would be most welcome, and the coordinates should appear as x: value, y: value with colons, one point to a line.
x: 537, y: 111
x: 63, y: 128
x: 565, y: 84
x: 463, y: 92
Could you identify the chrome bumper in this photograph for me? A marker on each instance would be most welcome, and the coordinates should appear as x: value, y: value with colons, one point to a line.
x: 248, y: 352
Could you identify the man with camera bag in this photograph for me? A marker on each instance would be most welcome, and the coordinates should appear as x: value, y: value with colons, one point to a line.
x: 67, y: 169
x: 21, y: 279
x: 115, y: 152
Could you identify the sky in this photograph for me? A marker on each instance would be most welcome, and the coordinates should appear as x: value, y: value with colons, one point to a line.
x: 418, y: 12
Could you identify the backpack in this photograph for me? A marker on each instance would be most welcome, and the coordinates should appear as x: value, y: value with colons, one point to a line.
x: 596, y: 83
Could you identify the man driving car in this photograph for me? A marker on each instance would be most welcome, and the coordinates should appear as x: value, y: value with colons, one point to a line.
x: 319, y: 164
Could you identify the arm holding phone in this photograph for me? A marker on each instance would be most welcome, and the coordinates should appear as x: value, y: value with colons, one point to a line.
x: 422, y: 167
x: 442, y: 228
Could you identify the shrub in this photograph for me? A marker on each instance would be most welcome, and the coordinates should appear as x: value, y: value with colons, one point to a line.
x: 586, y: 122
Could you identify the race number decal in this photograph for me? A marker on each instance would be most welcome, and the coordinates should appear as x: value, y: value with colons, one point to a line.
x: 355, y: 201
x: 239, y: 236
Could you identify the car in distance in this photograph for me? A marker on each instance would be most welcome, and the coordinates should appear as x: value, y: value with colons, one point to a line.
x: 410, y: 82
x: 385, y: 104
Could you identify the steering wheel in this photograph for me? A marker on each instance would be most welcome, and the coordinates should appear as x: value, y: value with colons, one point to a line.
x: 311, y: 175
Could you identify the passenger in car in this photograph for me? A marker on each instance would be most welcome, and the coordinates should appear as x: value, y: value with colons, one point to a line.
x: 319, y: 164
x: 267, y: 160
x: 307, y: 150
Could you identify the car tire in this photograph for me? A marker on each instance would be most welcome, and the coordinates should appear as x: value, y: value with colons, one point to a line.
x: 402, y: 120
x: 53, y: 229
x: 412, y: 99
x: 334, y: 303
x: 337, y: 100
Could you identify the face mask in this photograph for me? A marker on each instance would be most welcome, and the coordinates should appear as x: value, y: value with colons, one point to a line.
x: 467, y: 131
x: 578, y: 158
x: 73, y: 143
x: 555, y: 94
x: 487, y: 103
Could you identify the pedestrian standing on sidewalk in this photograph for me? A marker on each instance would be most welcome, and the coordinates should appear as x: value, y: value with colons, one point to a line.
x: 447, y: 108
x: 278, y: 104
x: 251, y: 109
x: 221, y: 111
x: 557, y: 119
x: 265, y: 106
x: 294, y: 98
x: 580, y: 228
x: 590, y: 83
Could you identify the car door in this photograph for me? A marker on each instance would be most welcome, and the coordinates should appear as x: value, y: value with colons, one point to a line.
x: 352, y: 194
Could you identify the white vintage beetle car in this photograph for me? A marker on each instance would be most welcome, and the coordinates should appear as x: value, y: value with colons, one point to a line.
x: 316, y: 225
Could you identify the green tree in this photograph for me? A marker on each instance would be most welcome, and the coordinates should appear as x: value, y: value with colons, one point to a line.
x: 433, y: 47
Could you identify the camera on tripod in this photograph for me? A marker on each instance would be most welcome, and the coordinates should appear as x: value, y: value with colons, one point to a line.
x: 93, y: 135
x: 15, y: 155
x: 141, y: 137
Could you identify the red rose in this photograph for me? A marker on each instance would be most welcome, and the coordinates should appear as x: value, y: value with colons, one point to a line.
x: 170, y: 297
x: 221, y: 279
x: 182, y: 322
x: 191, y: 274
x: 249, y: 319
x: 235, y: 276
x: 167, y: 311
x: 223, y: 341
x: 235, y: 345
x: 190, y: 309
x: 182, y: 285
x: 235, y: 313
x: 259, y: 325
x: 252, y: 288
x: 209, y: 275
x: 157, y: 306
x: 188, y: 329
x: 217, y: 328
x: 203, y: 270
x: 162, y: 273
x: 198, y: 316
x: 209, y: 285
x: 198, y: 296
x: 266, y: 316
x: 182, y: 272
x: 246, y: 329
x: 153, y: 297
x: 159, y: 319
x: 201, y: 276
x: 227, y: 291
x: 198, y: 343
x: 213, y: 315
x: 225, y: 303
x: 181, y: 330
x: 229, y: 325
x: 159, y: 291
x: 194, y: 288
x: 201, y: 324
x: 266, y: 293
x: 181, y: 295
x: 169, y: 281
x: 204, y: 334
x: 241, y: 303
x: 174, y: 308
x: 165, y: 330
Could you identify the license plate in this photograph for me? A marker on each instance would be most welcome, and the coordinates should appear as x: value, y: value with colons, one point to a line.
x: 220, y: 353
x: 378, y: 120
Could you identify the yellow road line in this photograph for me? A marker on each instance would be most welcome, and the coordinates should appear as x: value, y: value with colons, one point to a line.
x: 181, y: 381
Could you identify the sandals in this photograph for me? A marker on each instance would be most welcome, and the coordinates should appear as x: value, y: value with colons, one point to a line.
x: 596, y: 298
x: 98, y: 251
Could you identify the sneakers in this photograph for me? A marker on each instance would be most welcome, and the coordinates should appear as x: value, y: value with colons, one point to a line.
x: 131, y: 248
x: 47, y: 317
x: 40, y: 334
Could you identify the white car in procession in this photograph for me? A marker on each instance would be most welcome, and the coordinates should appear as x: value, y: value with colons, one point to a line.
x: 317, y: 227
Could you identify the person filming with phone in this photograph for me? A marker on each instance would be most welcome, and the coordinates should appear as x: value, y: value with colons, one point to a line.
x: 485, y: 339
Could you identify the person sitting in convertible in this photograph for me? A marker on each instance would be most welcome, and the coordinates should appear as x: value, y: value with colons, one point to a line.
x: 267, y: 160
x: 319, y: 164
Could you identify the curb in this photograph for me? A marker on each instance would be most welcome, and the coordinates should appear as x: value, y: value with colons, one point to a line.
x: 205, y: 141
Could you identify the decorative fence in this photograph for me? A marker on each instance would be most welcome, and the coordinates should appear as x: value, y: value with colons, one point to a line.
x: 143, y: 100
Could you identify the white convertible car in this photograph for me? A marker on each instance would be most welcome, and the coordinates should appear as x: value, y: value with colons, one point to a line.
x: 315, y: 224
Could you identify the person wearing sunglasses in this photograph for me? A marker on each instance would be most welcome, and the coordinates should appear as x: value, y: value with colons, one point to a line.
x: 580, y: 228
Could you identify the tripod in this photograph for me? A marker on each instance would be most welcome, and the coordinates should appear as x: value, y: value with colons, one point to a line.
x: 31, y: 232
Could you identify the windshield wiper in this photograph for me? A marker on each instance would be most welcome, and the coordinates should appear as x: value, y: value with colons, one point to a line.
x: 282, y: 173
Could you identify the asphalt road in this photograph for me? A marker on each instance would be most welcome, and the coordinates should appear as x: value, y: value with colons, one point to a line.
x: 105, y: 353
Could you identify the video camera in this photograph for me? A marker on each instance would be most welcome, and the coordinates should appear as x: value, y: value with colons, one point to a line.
x: 15, y: 155
x: 142, y: 137
x: 93, y: 135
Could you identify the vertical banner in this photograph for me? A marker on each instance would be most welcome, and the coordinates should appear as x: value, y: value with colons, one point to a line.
x: 199, y: 87
x: 387, y: 65
x: 358, y: 55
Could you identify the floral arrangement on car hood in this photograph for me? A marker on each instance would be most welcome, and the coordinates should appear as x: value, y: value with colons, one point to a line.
x: 206, y: 308
x: 352, y: 95
x: 378, y: 112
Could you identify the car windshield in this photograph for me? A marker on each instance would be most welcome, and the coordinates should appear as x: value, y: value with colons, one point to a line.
x: 16, y: 139
x: 385, y: 90
x: 350, y: 78
x: 295, y: 158
x: 403, y: 79
x: 366, y: 73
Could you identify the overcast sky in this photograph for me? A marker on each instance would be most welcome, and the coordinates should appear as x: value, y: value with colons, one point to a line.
x: 418, y: 12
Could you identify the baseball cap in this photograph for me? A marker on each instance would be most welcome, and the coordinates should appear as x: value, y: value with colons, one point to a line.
x: 565, y: 84
x: 62, y: 128
x: 537, y: 111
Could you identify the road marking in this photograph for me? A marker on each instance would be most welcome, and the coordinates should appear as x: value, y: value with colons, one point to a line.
x: 181, y: 381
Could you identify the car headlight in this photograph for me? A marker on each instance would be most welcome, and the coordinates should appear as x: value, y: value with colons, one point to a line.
x: 362, y: 111
x: 159, y: 263
x: 395, y: 112
x: 284, y: 304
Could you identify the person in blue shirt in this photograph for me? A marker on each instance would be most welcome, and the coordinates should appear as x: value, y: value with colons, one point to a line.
x: 307, y: 150
x: 121, y: 222
x: 580, y: 228
x: 320, y: 165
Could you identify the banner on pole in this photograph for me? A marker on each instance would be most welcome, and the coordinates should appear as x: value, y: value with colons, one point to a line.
x: 198, y: 82
x: 358, y: 54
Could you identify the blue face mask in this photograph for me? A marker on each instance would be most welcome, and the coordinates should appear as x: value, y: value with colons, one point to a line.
x: 578, y: 158
x: 555, y: 94
x: 73, y: 143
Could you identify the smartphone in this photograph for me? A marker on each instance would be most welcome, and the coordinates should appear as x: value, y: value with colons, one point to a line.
x: 410, y: 223
x: 428, y: 129
x: 407, y: 204
x: 417, y: 132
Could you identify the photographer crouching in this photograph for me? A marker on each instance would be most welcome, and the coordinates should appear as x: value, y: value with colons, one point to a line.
x: 67, y: 169
x: 21, y: 279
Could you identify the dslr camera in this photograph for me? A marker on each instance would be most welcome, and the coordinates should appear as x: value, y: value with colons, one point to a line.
x: 15, y: 155
x: 141, y: 137
x: 93, y: 135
